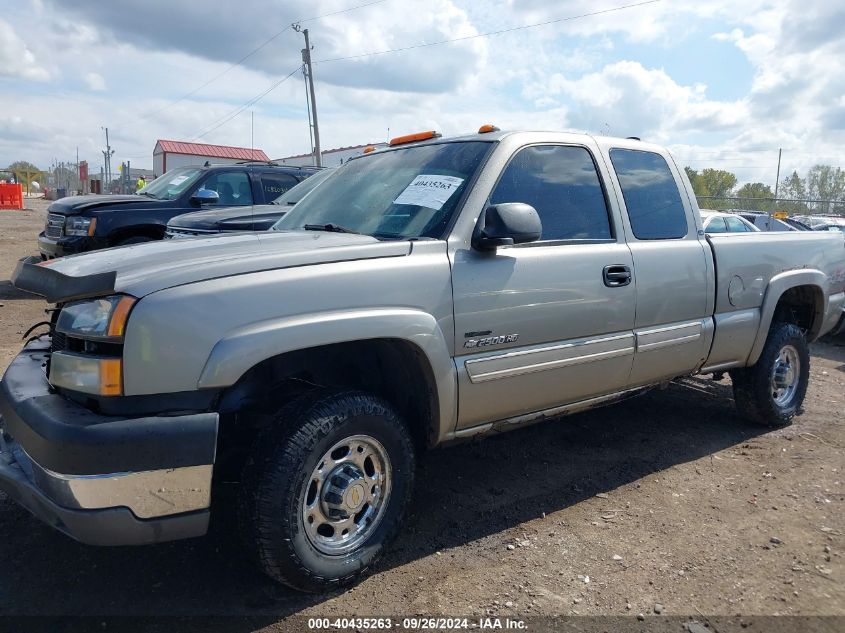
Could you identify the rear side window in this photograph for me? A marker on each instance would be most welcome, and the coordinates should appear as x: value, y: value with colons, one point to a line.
x: 717, y: 225
x: 735, y: 225
x: 275, y: 185
x: 562, y: 184
x: 651, y: 195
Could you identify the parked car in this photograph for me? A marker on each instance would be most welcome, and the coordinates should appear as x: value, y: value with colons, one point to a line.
x: 718, y: 222
x: 765, y: 223
x: 229, y: 219
x: 86, y: 223
x: 435, y: 290
x: 822, y: 222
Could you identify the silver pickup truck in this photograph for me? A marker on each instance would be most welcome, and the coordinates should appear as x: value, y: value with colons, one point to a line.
x: 434, y: 290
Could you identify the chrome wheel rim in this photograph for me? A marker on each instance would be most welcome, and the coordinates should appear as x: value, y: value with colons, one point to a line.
x: 344, y: 500
x: 786, y: 373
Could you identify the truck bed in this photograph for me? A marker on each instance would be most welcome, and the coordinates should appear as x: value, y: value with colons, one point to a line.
x: 746, y: 264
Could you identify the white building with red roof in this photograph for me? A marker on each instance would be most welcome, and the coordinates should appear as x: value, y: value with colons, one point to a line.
x: 331, y: 157
x: 171, y: 154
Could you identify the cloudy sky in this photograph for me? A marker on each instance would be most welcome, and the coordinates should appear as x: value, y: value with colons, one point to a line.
x: 723, y: 83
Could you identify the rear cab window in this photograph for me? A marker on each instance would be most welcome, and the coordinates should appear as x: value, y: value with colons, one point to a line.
x: 655, y: 208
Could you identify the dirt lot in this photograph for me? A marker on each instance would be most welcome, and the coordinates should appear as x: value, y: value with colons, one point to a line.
x: 669, y: 499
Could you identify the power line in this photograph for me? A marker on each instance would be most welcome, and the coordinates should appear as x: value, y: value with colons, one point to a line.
x: 406, y: 48
x: 488, y: 34
x: 253, y: 101
x: 326, y: 15
x: 253, y: 52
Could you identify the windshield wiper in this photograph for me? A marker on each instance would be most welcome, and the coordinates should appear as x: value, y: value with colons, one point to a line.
x: 331, y: 228
x: 148, y: 194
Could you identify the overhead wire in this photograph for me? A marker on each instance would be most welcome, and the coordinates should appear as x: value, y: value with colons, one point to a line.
x: 486, y: 34
x: 253, y: 52
x: 228, y: 117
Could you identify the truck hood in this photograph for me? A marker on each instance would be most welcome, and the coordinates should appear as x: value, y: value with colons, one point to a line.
x: 144, y: 268
x: 230, y: 218
x: 77, y: 204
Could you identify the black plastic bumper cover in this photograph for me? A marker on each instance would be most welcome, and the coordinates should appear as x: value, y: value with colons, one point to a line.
x: 67, y: 438
x: 64, y: 437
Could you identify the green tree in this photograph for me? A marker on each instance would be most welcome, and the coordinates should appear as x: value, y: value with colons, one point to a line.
x: 24, y: 171
x: 710, y: 185
x: 717, y: 182
x: 825, y: 182
x: 693, y: 177
x: 755, y: 190
x: 793, y: 187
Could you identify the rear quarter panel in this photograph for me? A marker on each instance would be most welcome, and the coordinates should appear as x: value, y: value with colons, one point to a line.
x: 746, y: 264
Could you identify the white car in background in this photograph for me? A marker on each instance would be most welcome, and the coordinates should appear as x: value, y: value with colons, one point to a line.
x: 718, y: 222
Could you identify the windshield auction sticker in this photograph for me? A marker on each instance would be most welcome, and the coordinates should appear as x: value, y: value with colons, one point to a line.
x: 430, y: 191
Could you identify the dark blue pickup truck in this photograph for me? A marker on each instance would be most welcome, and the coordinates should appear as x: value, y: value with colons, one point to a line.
x: 86, y: 223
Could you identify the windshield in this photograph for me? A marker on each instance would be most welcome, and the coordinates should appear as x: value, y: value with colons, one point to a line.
x: 404, y: 193
x: 172, y: 184
x: 297, y: 192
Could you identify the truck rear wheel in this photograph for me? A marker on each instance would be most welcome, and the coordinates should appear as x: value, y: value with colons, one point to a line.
x: 325, y: 490
x: 772, y: 390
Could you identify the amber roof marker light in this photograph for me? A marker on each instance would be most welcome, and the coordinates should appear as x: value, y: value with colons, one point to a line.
x: 484, y: 129
x: 412, y: 138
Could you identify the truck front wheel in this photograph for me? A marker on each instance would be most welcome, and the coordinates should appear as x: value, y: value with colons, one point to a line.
x: 772, y: 390
x: 326, y: 489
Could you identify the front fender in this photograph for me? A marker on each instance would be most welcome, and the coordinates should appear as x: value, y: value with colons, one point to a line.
x: 245, y: 347
x: 774, y: 291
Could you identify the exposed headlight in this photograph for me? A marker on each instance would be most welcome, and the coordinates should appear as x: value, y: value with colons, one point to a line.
x: 96, y: 318
x: 76, y: 225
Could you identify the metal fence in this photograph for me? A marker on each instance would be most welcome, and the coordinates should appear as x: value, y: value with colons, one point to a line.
x: 791, y: 206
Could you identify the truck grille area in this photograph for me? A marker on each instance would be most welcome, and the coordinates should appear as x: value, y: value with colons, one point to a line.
x: 176, y: 233
x: 55, y: 226
x: 59, y: 342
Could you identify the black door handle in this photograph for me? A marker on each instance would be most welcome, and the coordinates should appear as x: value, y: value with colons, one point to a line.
x: 616, y: 276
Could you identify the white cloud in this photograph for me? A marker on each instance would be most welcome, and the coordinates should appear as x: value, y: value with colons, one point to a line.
x: 95, y: 81
x: 579, y: 74
x: 627, y: 99
x: 16, y: 59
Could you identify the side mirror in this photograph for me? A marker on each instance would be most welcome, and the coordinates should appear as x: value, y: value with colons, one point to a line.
x: 506, y: 224
x: 205, y: 196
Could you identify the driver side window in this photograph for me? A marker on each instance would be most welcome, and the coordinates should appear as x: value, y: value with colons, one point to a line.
x: 563, y: 186
x: 232, y: 187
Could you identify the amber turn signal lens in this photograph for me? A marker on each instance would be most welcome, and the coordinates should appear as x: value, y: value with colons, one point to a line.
x: 117, y: 323
x: 111, y: 377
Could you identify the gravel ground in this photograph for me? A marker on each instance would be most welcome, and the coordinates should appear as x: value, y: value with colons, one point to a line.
x: 667, y: 503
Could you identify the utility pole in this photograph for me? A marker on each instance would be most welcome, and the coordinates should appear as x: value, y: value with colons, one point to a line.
x: 107, y: 154
x: 777, y: 183
x: 306, y: 58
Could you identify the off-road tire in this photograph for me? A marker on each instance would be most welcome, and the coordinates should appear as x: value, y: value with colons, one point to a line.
x: 281, y: 462
x: 753, y: 385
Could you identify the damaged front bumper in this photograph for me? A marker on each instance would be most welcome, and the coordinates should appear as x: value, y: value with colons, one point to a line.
x: 102, y: 480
